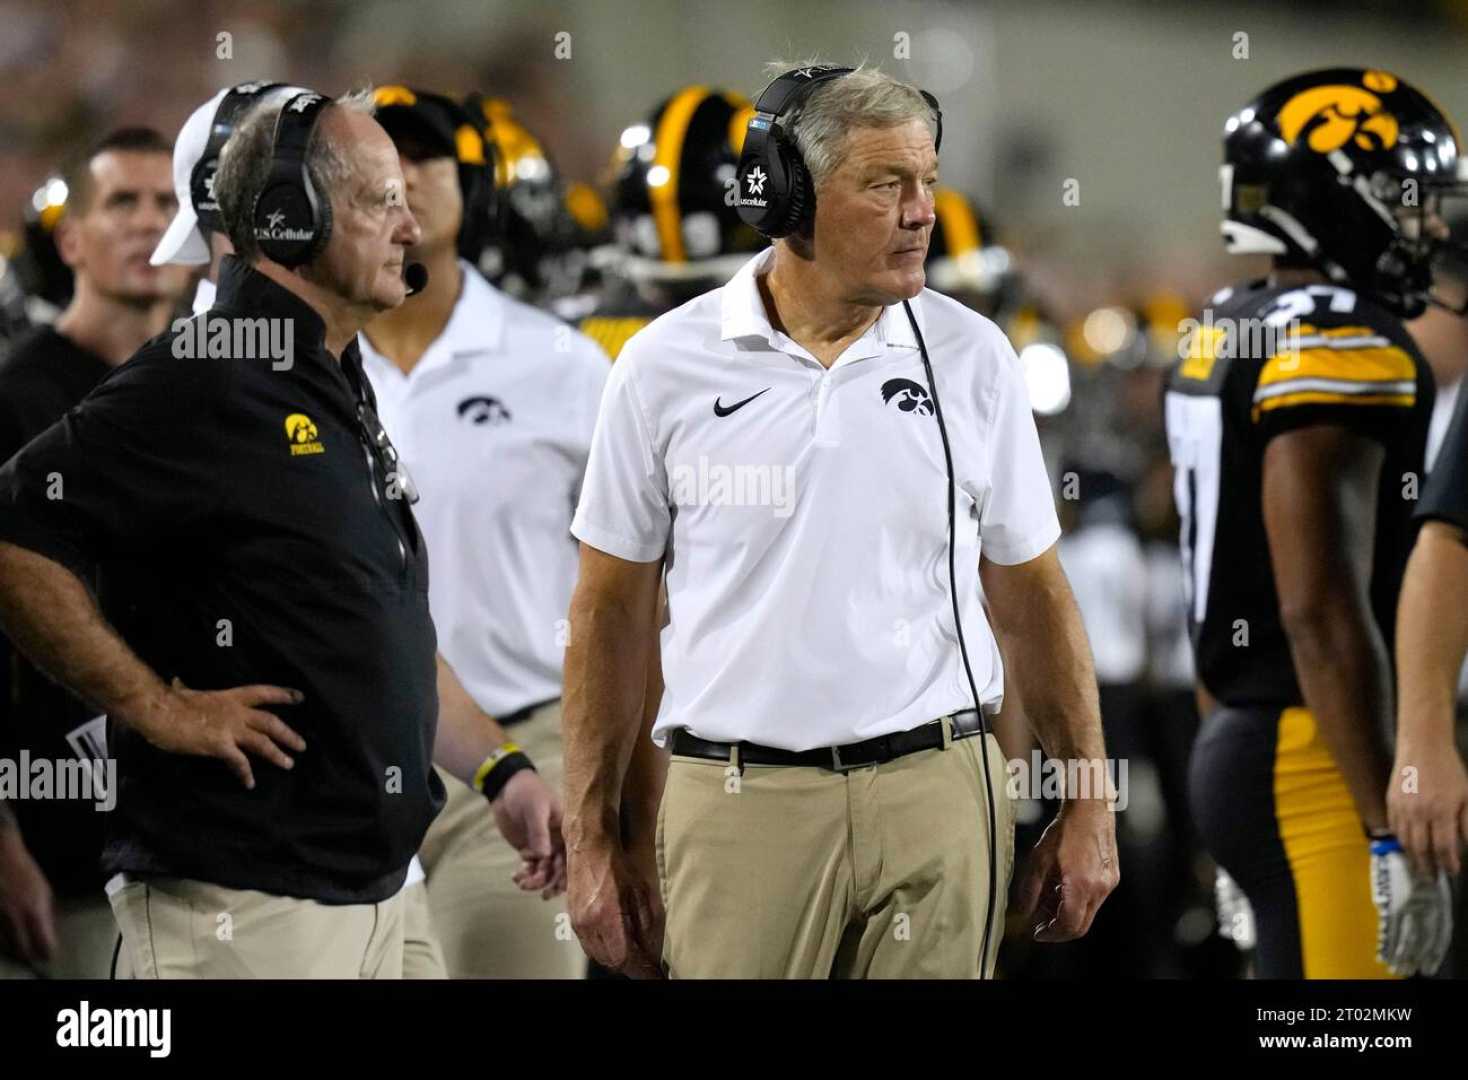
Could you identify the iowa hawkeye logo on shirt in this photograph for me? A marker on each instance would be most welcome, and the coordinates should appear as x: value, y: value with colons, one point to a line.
x: 301, y: 431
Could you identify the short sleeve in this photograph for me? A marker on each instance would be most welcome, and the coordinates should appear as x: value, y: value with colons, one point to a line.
x: 1350, y: 376
x: 1018, y: 520
x: 623, y: 509
x: 594, y: 367
x: 131, y: 465
x: 1445, y: 497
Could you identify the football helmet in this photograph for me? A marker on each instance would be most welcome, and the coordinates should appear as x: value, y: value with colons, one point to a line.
x: 674, y: 191
x: 1343, y: 170
x: 534, y: 248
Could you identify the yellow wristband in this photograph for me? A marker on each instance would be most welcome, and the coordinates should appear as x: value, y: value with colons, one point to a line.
x: 481, y: 774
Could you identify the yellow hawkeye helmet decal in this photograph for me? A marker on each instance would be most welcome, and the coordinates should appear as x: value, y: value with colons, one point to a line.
x: 301, y: 433
x: 1331, y: 116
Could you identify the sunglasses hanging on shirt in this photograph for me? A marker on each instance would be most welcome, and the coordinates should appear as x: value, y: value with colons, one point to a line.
x: 394, y: 472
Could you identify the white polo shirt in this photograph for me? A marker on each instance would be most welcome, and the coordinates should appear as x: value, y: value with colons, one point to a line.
x: 802, y: 513
x: 494, y: 424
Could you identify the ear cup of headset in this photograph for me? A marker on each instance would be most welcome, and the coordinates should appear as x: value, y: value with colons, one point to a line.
x: 289, y: 207
x: 206, y: 207
x: 764, y: 175
x: 797, y: 192
x: 476, y: 183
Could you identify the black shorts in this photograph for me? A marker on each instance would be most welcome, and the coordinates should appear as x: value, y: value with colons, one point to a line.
x: 1273, y: 809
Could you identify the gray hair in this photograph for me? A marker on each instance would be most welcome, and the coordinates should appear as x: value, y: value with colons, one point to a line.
x: 866, y: 97
x: 245, y: 162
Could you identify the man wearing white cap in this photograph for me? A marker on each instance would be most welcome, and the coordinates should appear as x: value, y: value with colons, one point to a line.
x: 196, y: 235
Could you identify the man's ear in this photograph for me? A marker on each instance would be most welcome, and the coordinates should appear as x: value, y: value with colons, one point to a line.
x: 69, y: 241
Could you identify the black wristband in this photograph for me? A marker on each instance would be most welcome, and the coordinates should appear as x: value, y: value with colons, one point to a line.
x: 500, y: 775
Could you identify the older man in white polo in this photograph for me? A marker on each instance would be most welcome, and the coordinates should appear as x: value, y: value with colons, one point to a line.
x: 774, y: 449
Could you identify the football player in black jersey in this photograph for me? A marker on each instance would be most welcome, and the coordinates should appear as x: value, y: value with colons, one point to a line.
x: 676, y: 229
x: 1296, y: 421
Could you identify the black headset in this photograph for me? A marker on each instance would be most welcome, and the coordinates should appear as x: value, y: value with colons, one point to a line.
x: 201, y: 180
x: 291, y: 221
x: 776, y: 197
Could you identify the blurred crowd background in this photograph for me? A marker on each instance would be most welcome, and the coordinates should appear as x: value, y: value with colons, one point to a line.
x: 1081, y: 148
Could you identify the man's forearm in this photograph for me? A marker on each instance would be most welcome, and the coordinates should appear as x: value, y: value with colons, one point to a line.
x: 51, y: 617
x: 466, y: 733
x: 1345, y: 679
x: 647, y: 771
x: 1049, y: 660
x: 1432, y: 636
x: 606, y: 682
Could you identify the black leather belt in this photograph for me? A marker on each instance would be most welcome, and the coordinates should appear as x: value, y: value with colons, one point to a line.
x: 519, y: 716
x: 857, y: 755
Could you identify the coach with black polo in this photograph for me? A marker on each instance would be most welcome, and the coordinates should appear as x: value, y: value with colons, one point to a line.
x: 825, y: 812
x: 263, y: 648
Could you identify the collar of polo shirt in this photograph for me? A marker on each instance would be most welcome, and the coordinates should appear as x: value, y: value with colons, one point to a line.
x: 743, y: 315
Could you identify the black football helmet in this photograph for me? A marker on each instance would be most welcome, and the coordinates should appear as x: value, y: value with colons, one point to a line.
x: 534, y: 248
x: 674, y: 193
x: 1343, y: 170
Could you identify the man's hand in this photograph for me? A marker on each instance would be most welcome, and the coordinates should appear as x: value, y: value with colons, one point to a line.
x: 528, y: 815
x: 222, y: 724
x: 617, y: 910
x: 1430, y: 820
x: 1414, y: 911
x: 1071, y: 871
x: 27, y: 915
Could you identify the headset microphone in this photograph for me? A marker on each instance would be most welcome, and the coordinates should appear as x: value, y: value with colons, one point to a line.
x: 415, y: 276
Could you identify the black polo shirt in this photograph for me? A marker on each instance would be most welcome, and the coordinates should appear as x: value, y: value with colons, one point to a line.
x: 43, y: 376
x: 243, y: 534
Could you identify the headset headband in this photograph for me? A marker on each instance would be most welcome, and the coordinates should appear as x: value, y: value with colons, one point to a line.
x: 293, y: 128
x: 201, y: 185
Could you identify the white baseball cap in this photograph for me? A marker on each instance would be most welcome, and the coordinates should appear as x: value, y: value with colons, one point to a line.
x: 185, y: 241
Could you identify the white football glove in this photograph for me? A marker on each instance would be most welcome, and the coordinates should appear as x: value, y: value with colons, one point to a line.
x: 1235, y: 916
x: 1414, y: 911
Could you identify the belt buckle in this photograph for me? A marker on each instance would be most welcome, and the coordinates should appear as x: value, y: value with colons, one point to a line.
x: 837, y: 765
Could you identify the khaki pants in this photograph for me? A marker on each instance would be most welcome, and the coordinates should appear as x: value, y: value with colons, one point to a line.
x: 794, y: 872
x: 86, y: 934
x: 175, y: 928
x: 422, y: 953
x: 488, y: 927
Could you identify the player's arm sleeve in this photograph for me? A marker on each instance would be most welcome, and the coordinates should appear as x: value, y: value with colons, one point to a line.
x: 624, y: 508
x: 1445, y: 497
x: 136, y: 462
x: 1347, y: 376
x: 1018, y: 521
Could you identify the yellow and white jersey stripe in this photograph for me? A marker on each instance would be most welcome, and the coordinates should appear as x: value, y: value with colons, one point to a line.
x: 1341, y: 365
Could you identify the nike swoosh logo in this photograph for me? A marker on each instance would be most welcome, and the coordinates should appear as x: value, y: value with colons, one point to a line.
x: 724, y: 410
